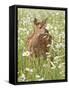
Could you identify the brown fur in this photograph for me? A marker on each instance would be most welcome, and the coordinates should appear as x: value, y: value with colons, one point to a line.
x: 39, y: 40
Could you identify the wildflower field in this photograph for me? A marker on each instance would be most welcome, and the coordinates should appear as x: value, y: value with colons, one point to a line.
x: 37, y: 69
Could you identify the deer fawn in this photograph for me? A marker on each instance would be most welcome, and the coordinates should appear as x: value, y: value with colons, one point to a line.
x: 39, y: 41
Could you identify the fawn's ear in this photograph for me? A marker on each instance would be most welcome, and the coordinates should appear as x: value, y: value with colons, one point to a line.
x: 35, y: 20
x: 44, y: 21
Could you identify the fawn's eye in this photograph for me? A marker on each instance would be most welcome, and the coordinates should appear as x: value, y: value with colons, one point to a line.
x: 37, y: 23
x: 40, y: 27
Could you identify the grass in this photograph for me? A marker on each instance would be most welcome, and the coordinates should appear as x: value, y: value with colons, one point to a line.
x: 40, y: 69
x: 36, y: 69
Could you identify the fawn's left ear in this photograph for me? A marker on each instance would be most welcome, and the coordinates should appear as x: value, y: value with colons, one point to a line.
x: 35, y: 20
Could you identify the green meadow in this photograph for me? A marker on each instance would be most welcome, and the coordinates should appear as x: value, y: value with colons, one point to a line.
x: 37, y: 69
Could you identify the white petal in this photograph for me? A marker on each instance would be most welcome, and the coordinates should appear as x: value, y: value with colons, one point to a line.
x: 27, y: 69
x: 41, y: 79
x: 37, y: 76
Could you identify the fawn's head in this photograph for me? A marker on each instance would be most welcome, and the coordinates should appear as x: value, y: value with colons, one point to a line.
x: 40, y: 25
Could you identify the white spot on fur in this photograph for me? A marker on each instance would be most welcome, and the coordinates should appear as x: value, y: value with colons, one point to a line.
x: 48, y: 45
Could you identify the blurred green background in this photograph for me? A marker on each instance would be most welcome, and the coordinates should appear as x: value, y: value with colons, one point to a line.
x: 35, y: 69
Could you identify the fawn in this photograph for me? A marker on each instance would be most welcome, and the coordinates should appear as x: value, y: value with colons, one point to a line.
x: 40, y: 40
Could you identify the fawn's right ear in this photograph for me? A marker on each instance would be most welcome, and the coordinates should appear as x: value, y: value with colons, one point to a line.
x: 35, y: 20
x: 44, y: 21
